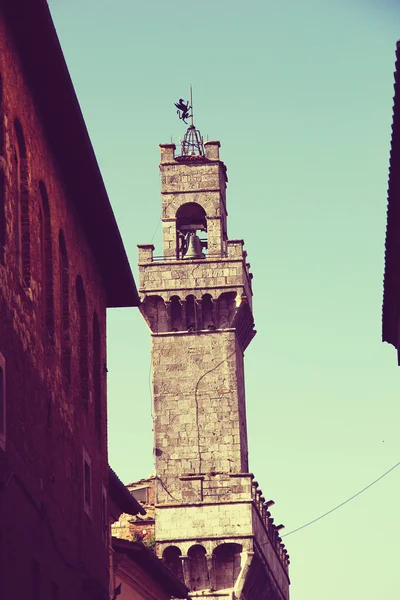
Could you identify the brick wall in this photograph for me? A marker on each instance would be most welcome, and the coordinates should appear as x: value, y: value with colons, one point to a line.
x: 48, y: 421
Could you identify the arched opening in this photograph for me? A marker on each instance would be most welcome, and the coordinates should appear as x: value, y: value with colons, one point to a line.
x: 176, y: 314
x: 22, y: 209
x: 191, y: 231
x: 191, y: 316
x: 156, y: 313
x: 2, y: 215
x: 198, y: 569
x: 64, y: 306
x: 2, y: 180
x: 226, y: 565
x: 46, y: 262
x: 226, y: 309
x: 1, y: 118
x: 97, y: 377
x: 207, y: 309
x: 83, y: 342
x: 172, y: 560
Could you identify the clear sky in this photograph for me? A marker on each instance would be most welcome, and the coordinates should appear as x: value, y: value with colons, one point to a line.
x: 300, y: 96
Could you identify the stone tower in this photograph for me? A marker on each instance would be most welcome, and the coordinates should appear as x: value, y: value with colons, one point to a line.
x: 213, y: 526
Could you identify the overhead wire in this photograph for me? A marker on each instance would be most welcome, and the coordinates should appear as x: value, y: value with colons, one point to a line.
x: 342, y: 503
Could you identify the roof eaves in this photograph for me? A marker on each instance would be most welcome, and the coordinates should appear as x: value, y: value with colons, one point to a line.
x: 121, y: 496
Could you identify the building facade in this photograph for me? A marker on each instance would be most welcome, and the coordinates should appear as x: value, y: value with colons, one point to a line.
x: 213, y: 527
x: 62, y: 263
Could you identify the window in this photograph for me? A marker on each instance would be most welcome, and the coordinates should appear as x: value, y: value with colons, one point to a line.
x: 83, y: 342
x: 87, y: 484
x: 141, y: 494
x: 97, y: 377
x: 22, y: 206
x: 2, y: 216
x: 46, y: 263
x: 2, y: 180
x: 1, y: 118
x: 2, y: 403
x: 64, y: 306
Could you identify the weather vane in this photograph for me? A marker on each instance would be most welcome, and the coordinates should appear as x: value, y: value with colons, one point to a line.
x: 183, y: 110
x: 192, y: 143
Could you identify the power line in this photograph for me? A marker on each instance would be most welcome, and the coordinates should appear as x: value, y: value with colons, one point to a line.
x: 342, y: 503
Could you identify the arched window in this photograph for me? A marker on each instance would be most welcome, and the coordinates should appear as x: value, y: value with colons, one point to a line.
x: 2, y: 215
x: 198, y: 569
x: 22, y: 206
x: 46, y: 262
x: 64, y: 306
x: 2, y: 180
x: 1, y: 118
x: 83, y: 342
x: 226, y: 565
x: 172, y: 560
x: 97, y: 377
x: 191, y: 223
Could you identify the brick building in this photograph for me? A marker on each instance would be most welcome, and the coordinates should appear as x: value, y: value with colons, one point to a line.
x: 391, y: 289
x: 213, y: 527
x: 62, y: 263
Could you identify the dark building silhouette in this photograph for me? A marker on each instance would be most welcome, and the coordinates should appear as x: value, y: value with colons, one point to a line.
x: 62, y: 263
x: 391, y: 289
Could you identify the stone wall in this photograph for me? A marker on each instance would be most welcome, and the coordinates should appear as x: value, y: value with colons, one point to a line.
x: 198, y: 428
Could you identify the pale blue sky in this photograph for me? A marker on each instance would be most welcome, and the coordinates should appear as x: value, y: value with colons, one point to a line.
x: 300, y: 95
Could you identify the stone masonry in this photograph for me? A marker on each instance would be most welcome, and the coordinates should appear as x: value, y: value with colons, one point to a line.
x: 213, y: 527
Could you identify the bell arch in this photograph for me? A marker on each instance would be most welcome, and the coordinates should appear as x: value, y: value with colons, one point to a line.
x: 191, y: 231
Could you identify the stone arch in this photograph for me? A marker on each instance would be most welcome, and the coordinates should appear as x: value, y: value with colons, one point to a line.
x: 176, y: 314
x: 172, y: 560
x: 207, y: 312
x: 155, y: 312
x: 2, y: 179
x: 226, y: 565
x: 83, y: 341
x: 64, y: 305
x: 23, y: 236
x: 198, y: 568
x: 1, y: 118
x: 226, y: 308
x: 46, y: 256
x: 191, y: 313
x: 190, y: 220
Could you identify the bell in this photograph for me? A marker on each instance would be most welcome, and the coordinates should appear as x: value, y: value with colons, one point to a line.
x: 194, y: 248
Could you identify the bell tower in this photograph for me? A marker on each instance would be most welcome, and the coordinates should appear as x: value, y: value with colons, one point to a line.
x: 213, y: 525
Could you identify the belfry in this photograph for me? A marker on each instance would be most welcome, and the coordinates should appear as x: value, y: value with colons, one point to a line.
x: 213, y: 527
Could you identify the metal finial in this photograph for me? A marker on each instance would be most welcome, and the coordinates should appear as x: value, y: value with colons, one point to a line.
x: 192, y: 143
